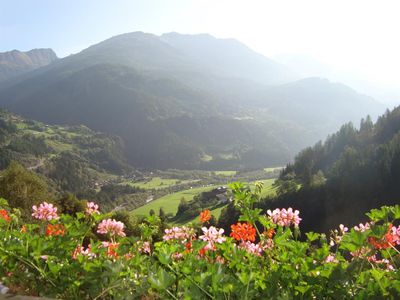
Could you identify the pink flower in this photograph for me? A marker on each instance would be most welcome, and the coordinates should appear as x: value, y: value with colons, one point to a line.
x: 112, y: 227
x: 331, y: 259
x: 252, y: 248
x: 183, y: 234
x: 362, y: 227
x: 177, y: 256
x: 144, y: 247
x: 80, y: 250
x: 213, y: 236
x: 336, y: 235
x: 44, y: 257
x: 396, y: 234
x: 283, y: 217
x: 45, y: 211
x: 92, y: 208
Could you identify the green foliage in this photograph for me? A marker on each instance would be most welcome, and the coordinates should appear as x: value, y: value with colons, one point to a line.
x: 23, y: 188
x: 143, y: 265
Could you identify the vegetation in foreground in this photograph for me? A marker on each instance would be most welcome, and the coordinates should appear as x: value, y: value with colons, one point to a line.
x: 91, y: 256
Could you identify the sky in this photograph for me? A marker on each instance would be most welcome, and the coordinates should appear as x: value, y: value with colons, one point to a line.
x: 361, y: 37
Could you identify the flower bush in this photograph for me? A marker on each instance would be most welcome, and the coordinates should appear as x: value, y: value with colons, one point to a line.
x: 265, y: 256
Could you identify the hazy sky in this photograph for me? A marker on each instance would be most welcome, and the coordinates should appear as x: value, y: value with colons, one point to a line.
x: 362, y: 36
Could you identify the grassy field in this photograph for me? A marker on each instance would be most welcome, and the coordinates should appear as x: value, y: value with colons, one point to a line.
x: 170, y: 202
x: 157, y: 183
x: 225, y: 173
x: 268, y: 170
x: 268, y: 189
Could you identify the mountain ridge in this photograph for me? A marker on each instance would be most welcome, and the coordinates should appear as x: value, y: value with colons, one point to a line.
x: 172, y: 110
x: 13, y: 63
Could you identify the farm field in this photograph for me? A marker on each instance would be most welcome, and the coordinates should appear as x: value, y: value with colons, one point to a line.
x: 157, y: 183
x: 170, y: 202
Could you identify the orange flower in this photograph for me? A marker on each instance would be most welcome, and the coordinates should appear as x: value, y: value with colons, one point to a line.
x: 55, y: 230
x: 4, y: 215
x: 23, y: 229
x: 269, y: 233
x: 112, y: 250
x: 388, y: 240
x: 205, y: 216
x: 243, y: 232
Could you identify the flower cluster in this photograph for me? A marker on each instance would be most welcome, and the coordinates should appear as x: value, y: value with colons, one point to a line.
x: 45, y: 211
x: 252, y: 248
x: 243, y: 232
x: 390, y: 239
x: 284, y: 217
x: 111, y: 249
x: 337, y: 235
x: 384, y: 261
x: 111, y: 227
x: 80, y: 250
x: 55, y: 230
x: 205, y: 216
x: 212, y: 236
x: 362, y: 227
x: 183, y: 234
x: 144, y: 247
x: 92, y: 208
x: 4, y: 215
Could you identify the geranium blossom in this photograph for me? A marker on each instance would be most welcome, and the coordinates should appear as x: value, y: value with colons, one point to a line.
x: 111, y: 249
x: 362, y: 227
x: 112, y: 227
x: 80, y: 250
x: 182, y: 233
x: 252, y: 248
x: 212, y: 236
x: 92, y: 208
x: 45, y: 211
x: 337, y: 235
x: 55, y: 230
x: 390, y: 239
x: 243, y: 232
x: 4, y: 215
x: 144, y: 247
x: 331, y: 259
x: 284, y: 217
x: 205, y: 216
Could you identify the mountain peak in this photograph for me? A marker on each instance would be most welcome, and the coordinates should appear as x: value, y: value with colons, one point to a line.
x: 15, y: 62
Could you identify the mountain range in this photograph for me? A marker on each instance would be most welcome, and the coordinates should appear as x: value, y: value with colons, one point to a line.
x: 187, y: 101
x: 15, y: 62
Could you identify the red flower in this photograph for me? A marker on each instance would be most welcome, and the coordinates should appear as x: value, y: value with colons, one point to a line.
x: 388, y: 240
x: 188, y: 247
x: 243, y: 232
x: 202, y: 251
x: 55, y: 230
x: 4, y: 215
x: 205, y: 216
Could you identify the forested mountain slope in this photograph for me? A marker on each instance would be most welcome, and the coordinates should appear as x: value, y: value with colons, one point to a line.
x: 72, y: 159
x: 353, y: 171
x: 186, y: 101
